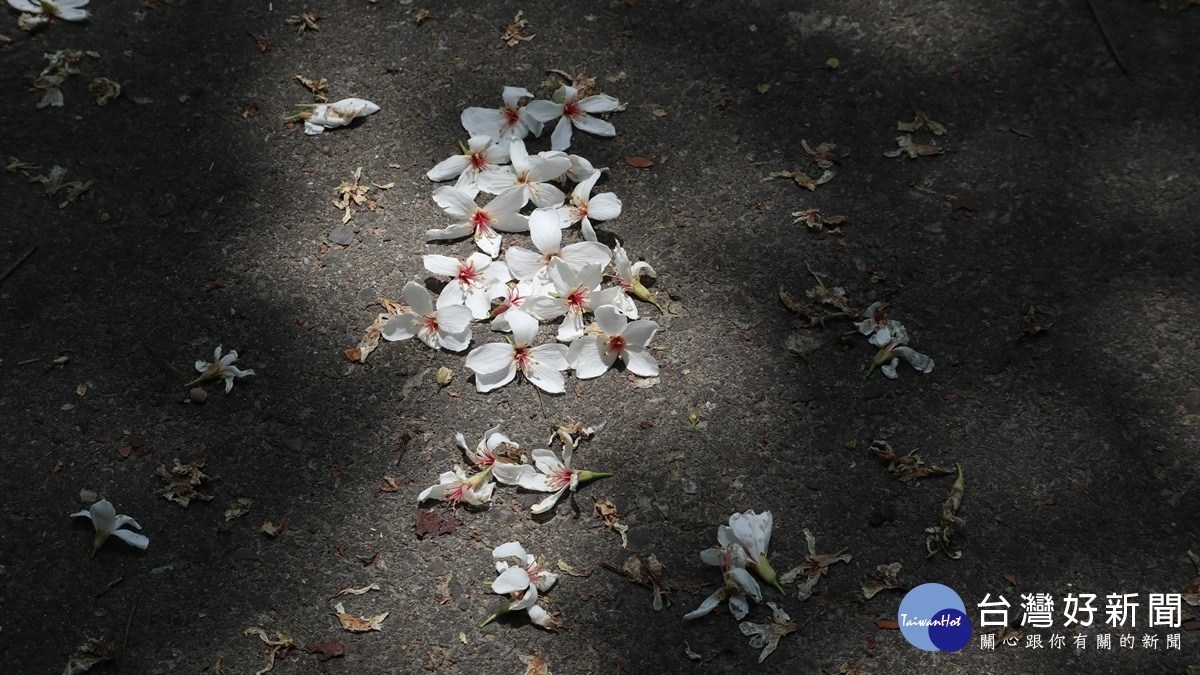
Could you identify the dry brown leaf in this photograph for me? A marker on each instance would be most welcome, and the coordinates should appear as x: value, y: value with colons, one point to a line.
x: 327, y: 650
x: 612, y: 520
x: 815, y: 221
x: 921, y: 120
x: 913, y: 150
x: 264, y: 45
x: 822, y: 155
x: 316, y: 87
x: 182, y: 482
x: 639, y: 162
x: 276, y: 647
x: 356, y: 624
x: 906, y: 468
x: 888, y: 624
x: 516, y: 31
x: 802, y: 179
x: 422, y: 16
x: 304, y: 22
x: 355, y: 591
x: 571, y: 570
x: 886, y: 578
x: 939, y: 537
x: 370, y: 339
x: 104, y: 90
x: 89, y: 654
x: 814, y: 567
x: 428, y: 523
x: 238, y: 508
x: 392, y: 486
x: 536, y: 666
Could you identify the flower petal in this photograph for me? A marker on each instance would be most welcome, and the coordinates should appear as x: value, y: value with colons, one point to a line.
x: 710, y: 603
x: 639, y: 361
x: 454, y: 202
x: 524, y: 327
x: 604, y: 206
x: 491, y: 357
x: 455, y: 319
x: 594, y: 125
x: 561, y: 138
x: 418, y: 298
x: 639, y: 333
x: 400, y: 327
x: 132, y: 538
x: 451, y: 167
x: 512, y: 580
x: 611, y: 320
x: 544, y: 111
x: 916, y: 359
x: 599, y: 103
x: 545, y: 228
x: 508, y: 473
x: 584, y: 357
x: 485, y: 382
x: 455, y: 231
x: 546, y: 377
x: 548, y: 503
x: 442, y: 265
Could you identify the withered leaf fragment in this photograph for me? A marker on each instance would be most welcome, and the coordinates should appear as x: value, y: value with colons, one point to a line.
x: 353, y: 194
x: 276, y: 647
x: 238, y: 508
x: 606, y: 510
x: 429, y: 523
x: 90, y: 653
x: 183, y: 481
x: 814, y: 567
x: 316, y: 87
x: 356, y: 624
x: 516, y: 31
x: 104, y: 90
x: 921, y: 120
x: 815, y: 221
x: 370, y: 339
x: 327, y: 650
x: 802, y: 179
x: 886, y: 578
x: 304, y: 22
x: 766, y: 635
x: 913, y: 150
x: 646, y: 572
x: 906, y: 468
x: 355, y: 591
x: 823, y: 155
x: 939, y: 537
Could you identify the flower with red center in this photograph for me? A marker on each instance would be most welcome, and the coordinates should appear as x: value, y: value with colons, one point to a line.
x: 508, y: 123
x: 482, y: 156
x: 512, y: 297
x: 738, y: 584
x: 497, y: 363
x: 585, y: 208
x: 456, y: 487
x: 545, y: 229
x: 575, y: 291
x: 473, y: 282
x: 556, y: 476
x: 522, y: 582
x: 531, y: 176
x: 880, y: 329
x: 570, y: 110
x: 448, y: 327
x: 482, y: 222
x: 629, y: 278
x: 619, y: 338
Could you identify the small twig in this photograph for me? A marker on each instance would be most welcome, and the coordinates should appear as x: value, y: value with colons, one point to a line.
x: 170, y: 367
x: 125, y: 640
x: 109, y: 587
x: 13, y: 268
x: 1107, y: 40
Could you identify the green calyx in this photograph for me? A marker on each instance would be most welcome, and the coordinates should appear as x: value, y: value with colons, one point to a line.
x: 881, y: 358
x: 767, y: 573
x: 585, y: 476
x: 504, y: 609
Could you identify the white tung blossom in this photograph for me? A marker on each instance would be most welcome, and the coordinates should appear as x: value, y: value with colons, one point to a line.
x: 474, y: 282
x: 592, y: 355
x: 482, y: 156
x: 106, y: 521
x: 482, y: 222
x: 497, y: 363
x: 448, y: 327
x: 508, y: 123
x: 571, y: 111
x: 530, y: 176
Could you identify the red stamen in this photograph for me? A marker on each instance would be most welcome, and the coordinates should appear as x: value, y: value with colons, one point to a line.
x: 616, y: 344
x: 481, y: 222
x: 571, y: 109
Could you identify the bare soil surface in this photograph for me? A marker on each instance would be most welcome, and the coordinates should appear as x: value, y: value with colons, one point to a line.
x: 1067, y: 189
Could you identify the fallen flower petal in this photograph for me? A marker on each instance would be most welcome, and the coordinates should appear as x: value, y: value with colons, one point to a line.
x: 332, y: 115
x: 106, y: 521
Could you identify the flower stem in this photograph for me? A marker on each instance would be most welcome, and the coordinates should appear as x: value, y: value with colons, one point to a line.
x: 585, y: 476
x: 498, y: 613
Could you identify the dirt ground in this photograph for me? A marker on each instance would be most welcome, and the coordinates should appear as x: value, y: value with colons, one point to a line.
x: 1067, y: 187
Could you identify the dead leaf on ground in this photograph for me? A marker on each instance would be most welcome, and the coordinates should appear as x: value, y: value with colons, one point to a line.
x: 906, y: 468
x: 353, y: 196
x: 888, y: 624
x: 921, y: 120
x: 429, y: 523
x: 183, y: 481
x: 104, y: 90
x: 327, y: 650
x: 238, y: 508
x: 272, y: 530
x: 1029, y: 327
x: 90, y: 653
x: 639, y: 162
x: 814, y: 567
x: 815, y: 221
x: 356, y: 624
x: 317, y: 87
x: 264, y: 45
x: 612, y: 520
x: 354, y: 591
x: 370, y: 339
x: 536, y: 666
x: 304, y: 22
x: 822, y: 155
x: 1010, y: 578
x: 913, y: 150
x: 277, y: 647
x: 647, y: 572
x: 392, y: 486
x: 687, y: 650
x: 802, y: 179
x: 571, y: 570
x: 516, y: 31
x: 886, y: 578
x: 766, y: 636
x: 422, y: 16
x: 939, y: 537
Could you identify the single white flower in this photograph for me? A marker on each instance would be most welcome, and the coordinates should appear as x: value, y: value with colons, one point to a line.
x: 556, y: 475
x: 496, y: 364
x: 496, y: 452
x: 592, y: 355
x: 530, y: 176
x: 575, y: 292
x: 566, y: 107
x: 766, y: 635
x: 457, y: 487
x: 480, y: 221
x: 332, y: 115
x: 506, y: 124
x: 738, y: 586
x: 222, y: 367
x: 448, y: 327
x: 44, y: 10
x: 514, y: 297
x: 546, y: 234
x: 106, y: 521
x: 482, y: 156
x: 522, y: 582
x: 584, y: 208
x: 473, y: 282
x: 752, y: 531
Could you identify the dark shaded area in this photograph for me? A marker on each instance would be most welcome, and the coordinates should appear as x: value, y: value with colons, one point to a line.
x: 206, y: 227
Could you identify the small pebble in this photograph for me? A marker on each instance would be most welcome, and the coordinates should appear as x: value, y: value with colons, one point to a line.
x: 197, y: 395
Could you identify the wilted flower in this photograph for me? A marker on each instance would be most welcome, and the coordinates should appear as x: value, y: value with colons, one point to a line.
x: 521, y: 582
x: 766, y: 635
x: 331, y: 115
x: 738, y: 583
x: 106, y: 521
x: 221, y: 367
x: 566, y: 107
x: 498, y: 453
x: 556, y: 476
x: 455, y: 487
x: 752, y: 531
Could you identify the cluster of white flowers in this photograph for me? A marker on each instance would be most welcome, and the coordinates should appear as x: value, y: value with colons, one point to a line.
x: 555, y: 281
x: 34, y: 15
x: 522, y: 582
x: 890, y: 337
x: 497, y: 456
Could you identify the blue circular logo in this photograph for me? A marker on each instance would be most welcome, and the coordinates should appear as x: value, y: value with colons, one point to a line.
x: 932, y: 617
